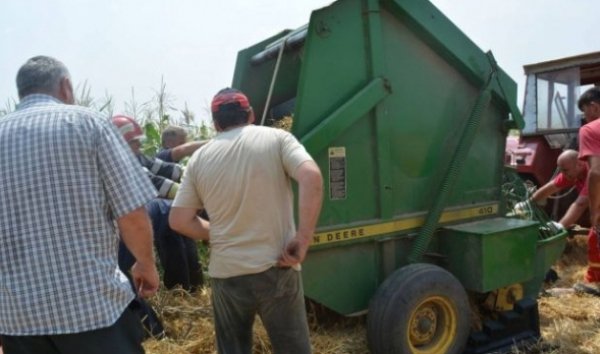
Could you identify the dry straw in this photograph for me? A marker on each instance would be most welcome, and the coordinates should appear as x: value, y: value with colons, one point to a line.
x: 570, y: 323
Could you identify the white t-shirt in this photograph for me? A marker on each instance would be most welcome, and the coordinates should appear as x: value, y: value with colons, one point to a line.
x: 242, y: 179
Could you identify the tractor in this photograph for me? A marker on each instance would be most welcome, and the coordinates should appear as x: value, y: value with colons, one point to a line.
x: 552, y: 121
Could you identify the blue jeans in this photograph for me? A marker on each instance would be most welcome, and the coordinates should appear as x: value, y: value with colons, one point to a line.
x: 178, y: 254
x: 276, y: 295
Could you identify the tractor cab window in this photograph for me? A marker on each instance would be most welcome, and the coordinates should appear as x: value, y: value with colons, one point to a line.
x: 551, y: 101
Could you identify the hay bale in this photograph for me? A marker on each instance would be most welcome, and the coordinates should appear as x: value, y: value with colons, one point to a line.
x: 284, y: 123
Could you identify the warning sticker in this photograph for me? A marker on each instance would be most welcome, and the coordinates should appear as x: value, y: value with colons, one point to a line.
x: 337, y: 173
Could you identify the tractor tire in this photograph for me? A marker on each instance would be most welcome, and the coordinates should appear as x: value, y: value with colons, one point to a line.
x: 419, y: 309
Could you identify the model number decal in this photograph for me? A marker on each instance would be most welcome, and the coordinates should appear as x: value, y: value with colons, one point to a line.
x: 488, y: 210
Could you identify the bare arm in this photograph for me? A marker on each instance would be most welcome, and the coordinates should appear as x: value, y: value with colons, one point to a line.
x: 136, y: 233
x: 184, y: 150
x: 188, y: 223
x: 576, y: 209
x: 547, y: 190
x: 594, y: 189
x: 310, y: 195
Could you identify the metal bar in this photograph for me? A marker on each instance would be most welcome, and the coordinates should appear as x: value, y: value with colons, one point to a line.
x: 273, y: 79
x: 553, y: 132
x: 382, y: 118
x: 356, y: 107
x: 294, y: 40
x: 549, y: 104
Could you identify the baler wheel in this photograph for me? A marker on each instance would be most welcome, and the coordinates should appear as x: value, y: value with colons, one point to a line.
x: 419, y: 309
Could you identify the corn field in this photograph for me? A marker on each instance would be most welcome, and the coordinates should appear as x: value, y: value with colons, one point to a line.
x: 153, y: 114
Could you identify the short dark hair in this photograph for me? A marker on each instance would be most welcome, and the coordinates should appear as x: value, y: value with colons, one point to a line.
x: 171, y: 132
x: 40, y: 74
x: 589, y: 96
x: 232, y: 111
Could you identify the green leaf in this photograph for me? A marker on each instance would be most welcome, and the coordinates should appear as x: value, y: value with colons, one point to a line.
x: 151, y: 144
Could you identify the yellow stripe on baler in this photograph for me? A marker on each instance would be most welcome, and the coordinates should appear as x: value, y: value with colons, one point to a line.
x: 372, y: 230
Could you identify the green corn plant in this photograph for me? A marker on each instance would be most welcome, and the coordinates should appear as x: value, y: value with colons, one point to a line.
x: 83, y: 95
x: 151, y: 143
x: 107, y: 105
x: 188, y: 115
x: 132, y: 107
x: 9, y: 106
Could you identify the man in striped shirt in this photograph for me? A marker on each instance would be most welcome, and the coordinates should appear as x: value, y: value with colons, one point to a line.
x: 178, y: 254
x: 67, y: 181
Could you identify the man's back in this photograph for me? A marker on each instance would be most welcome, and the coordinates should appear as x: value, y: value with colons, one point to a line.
x: 242, y: 177
x: 59, y: 196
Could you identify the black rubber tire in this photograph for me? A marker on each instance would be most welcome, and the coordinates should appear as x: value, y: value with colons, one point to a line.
x: 420, y: 287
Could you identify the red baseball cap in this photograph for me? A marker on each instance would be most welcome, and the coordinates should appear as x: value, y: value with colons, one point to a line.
x: 232, y: 97
x: 128, y: 127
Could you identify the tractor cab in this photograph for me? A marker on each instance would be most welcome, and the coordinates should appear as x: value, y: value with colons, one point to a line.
x: 550, y: 113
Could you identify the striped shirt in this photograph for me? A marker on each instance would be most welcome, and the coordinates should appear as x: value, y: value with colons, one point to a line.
x: 65, y: 175
x: 162, y: 174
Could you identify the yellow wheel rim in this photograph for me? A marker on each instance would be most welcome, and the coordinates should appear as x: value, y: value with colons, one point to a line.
x: 432, y: 326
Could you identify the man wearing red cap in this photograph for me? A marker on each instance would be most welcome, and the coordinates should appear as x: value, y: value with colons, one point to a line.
x: 178, y: 255
x: 242, y: 179
x: 589, y: 151
x: 164, y: 175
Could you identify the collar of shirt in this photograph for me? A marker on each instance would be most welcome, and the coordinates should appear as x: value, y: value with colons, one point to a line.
x: 37, y: 99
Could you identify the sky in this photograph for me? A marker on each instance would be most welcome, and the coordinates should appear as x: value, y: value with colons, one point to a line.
x: 120, y: 46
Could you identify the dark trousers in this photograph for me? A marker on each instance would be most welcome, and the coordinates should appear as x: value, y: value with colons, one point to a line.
x: 123, y: 337
x: 178, y: 254
x: 152, y: 325
x: 276, y: 295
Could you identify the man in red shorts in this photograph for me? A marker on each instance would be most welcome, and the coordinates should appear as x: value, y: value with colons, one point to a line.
x: 589, y: 151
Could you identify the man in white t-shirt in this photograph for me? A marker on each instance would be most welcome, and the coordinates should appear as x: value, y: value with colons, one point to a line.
x: 242, y: 178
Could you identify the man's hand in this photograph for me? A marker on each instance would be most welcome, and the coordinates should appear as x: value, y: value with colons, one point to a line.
x: 145, y: 278
x: 294, y: 252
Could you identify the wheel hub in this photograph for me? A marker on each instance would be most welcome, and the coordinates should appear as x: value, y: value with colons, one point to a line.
x: 423, y: 327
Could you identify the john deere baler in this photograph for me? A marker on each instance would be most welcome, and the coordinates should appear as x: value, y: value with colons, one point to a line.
x: 407, y: 119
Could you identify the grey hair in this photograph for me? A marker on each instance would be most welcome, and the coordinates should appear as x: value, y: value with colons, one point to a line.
x: 171, y: 132
x: 40, y: 74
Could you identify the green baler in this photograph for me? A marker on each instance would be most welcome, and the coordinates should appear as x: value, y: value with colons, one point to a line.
x: 407, y: 119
